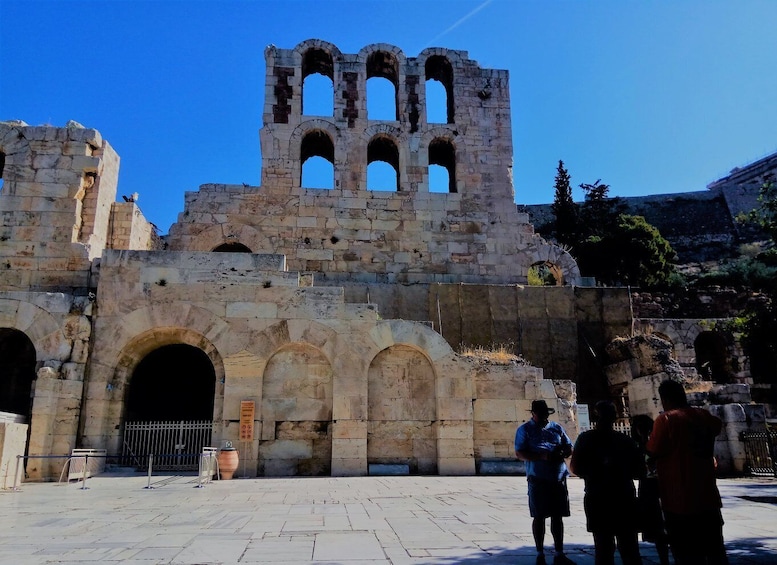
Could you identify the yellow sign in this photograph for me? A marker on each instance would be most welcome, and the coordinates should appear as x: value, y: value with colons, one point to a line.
x: 247, y: 411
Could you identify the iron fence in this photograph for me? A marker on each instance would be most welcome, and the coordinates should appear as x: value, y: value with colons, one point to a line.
x: 760, y: 450
x: 176, y: 445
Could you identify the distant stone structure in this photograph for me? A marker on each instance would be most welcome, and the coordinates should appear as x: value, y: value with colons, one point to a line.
x: 701, y: 225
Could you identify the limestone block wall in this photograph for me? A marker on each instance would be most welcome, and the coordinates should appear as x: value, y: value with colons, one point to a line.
x: 59, y: 328
x: 335, y: 387
x: 563, y: 330
x: 59, y: 184
x: 13, y: 439
x: 130, y: 230
x: 472, y: 233
x: 503, y: 397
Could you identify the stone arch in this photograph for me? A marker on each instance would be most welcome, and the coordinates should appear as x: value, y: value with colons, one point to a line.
x: 315, y: 56
x: 316, y: 143
x: 230, y: 235
x: 442, y: 152
x: 384, y: 148
x: 39, y: 326
x: 111, y: 402
x: 402, y: 409
x: 231, y: 247
x: 381, y: 60
x: 336, y: 153
x: 296, y: 412
x: 17, y: 372
x: 307, y: 45
x: 131, y: 337
x: 549, y: 274
x: 438, y: 67
x: 540, y: 251
x: 713, y: 362
x: 173, y: 382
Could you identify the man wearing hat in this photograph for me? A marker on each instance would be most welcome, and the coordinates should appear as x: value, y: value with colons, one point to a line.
x: 544, y: 445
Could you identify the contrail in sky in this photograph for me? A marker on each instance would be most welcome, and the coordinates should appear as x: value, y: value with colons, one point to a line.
x: 458, y: 23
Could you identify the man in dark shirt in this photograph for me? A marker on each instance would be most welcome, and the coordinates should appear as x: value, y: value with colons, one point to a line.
x: 608, y: 462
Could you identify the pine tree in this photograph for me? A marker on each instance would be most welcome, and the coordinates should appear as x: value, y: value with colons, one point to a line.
x: 564, y: 208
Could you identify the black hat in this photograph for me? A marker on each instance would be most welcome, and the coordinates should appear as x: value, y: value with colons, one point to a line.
x: 541, y: 407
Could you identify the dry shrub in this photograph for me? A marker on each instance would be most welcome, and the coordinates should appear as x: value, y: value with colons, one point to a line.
x: 501, y: 354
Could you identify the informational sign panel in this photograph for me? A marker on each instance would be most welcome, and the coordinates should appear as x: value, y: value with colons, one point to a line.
x: 583, y: 418
x: 247, y: 412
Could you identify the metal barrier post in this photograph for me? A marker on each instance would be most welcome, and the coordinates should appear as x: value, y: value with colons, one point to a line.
x: 199, y: 472
x: 150, y: 464
x: 16, y: 473
x: 86, y: 466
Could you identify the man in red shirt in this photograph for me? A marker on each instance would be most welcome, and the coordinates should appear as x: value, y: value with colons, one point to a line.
x: 683, y: 442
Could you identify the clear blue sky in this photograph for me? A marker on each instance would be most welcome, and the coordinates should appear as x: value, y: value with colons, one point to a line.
x: 651, y: 97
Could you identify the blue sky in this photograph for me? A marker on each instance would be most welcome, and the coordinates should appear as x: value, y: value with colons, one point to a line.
x: 651, y: 97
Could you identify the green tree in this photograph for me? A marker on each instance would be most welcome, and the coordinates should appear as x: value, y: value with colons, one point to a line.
x: 629, y: 252
x: 564, y: 207
x: 599, y: 212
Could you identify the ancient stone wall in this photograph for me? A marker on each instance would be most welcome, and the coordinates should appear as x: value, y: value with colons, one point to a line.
x: 564, y: 330
x: 471, y: 233
x: 130, y: 230
x: 336, y: 388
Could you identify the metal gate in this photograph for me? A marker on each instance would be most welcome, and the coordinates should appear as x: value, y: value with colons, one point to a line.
x: 760, y: 451
x: 175, y: 445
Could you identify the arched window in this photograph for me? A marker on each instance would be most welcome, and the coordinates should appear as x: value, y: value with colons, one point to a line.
x: 231, y: 247
x: 2, y: 167
x: 545, y: 274
x: 442, y: 153
x: 382, y: 164
x: 438, y: 68
x: 317, y: 156
x: 317, y: 83
x: 382, y: 86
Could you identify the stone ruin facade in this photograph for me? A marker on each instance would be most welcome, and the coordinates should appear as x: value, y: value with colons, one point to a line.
x: 282, y: 295
x: 336, y: 312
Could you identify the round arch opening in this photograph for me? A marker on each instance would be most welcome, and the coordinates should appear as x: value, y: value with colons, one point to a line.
x: 232, y: 247
x: 712, y: 360
x: 172, y: 383
x: 17, y: 372
x: 545, y: 273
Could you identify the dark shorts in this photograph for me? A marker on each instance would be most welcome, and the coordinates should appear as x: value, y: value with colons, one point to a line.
x: 696, y: 538
x: 548, y: 498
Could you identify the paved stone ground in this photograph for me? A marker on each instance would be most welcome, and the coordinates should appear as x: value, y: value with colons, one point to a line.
x: 367, y: 520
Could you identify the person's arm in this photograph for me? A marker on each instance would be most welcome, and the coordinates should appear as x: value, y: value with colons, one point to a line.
x: 657, y: 443
x: 576, y: 464
x: 526, y: 455
x: 523, y: 449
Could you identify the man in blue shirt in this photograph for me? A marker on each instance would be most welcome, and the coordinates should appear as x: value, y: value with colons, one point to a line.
x: 544, y: 445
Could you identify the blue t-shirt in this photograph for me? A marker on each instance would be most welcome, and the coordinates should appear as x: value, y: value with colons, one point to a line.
x: 531, y: 437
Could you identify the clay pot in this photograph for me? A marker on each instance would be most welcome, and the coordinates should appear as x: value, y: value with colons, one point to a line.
x: 228, y: 461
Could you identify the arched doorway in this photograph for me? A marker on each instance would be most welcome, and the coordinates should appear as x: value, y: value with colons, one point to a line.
x: 402, y: 409
x: 297, y: 402
x: 712, y: 361
x: 17, y: 372
x: 169, y: 408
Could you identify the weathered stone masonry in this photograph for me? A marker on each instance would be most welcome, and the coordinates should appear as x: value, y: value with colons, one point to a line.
x: 337, y: 387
